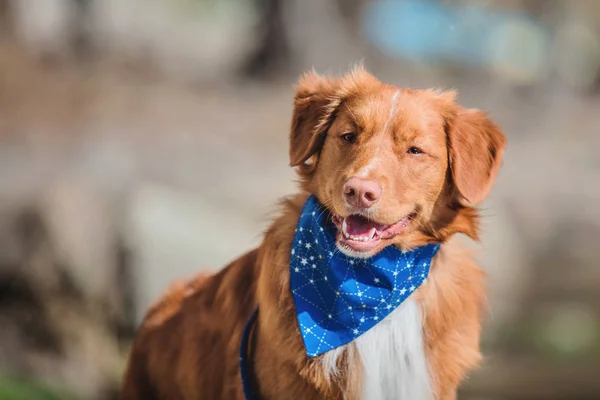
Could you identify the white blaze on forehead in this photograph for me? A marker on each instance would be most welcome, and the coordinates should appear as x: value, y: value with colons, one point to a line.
x: 364, y: 171
x: 392, y: 109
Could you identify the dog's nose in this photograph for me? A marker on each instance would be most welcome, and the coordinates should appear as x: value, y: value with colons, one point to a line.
x: 362, y: 193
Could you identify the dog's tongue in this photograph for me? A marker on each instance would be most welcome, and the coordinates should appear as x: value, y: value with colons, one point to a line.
x: 359, y: 226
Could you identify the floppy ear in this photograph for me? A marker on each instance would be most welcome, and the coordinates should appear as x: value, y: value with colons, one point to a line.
x: 476, y: 146
x: 315, y: 105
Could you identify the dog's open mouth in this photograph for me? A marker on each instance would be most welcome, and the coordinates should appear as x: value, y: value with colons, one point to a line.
x: 363, y: 235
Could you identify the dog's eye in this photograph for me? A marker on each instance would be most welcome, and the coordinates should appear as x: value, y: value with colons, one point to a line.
x: 414, y: 150
x: 349, y: 137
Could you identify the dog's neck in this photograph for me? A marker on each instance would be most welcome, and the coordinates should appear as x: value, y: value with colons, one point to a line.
x: 338, y: 298
x: 280, y: 348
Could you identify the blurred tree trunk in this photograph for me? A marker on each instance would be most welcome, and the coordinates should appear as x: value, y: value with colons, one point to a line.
x: 6, y: 18
x: 272, y: 51
x: 81, y: 37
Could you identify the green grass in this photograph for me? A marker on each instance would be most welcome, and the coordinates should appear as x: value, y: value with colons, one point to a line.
x: 24, y: 390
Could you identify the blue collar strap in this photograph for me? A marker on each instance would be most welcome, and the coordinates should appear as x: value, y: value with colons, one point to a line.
x: 246, y: 370
x: 337, y: 297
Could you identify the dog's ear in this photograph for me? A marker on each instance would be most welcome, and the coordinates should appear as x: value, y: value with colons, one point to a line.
x: 476, y: 146
x: 315, y: 105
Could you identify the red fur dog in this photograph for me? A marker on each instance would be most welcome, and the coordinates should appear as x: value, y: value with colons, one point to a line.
x: 361, y: 147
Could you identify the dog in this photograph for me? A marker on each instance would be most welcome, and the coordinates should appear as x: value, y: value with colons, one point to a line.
x: 391, y: 174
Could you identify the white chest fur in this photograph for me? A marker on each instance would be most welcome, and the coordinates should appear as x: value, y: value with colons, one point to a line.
x: 392, y: 356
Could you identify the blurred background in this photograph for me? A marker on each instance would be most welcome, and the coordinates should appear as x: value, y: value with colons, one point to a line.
x: 144, y: 140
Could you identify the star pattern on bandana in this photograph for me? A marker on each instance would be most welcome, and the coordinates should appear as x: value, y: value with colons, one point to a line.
x: 337, y: 297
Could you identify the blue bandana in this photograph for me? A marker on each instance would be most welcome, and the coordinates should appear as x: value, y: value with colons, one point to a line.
x: 337, y: 297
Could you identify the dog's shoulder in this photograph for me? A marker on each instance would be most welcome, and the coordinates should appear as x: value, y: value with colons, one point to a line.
x: 204, y: 293
x: 171, y: 302
x: 193, y: 320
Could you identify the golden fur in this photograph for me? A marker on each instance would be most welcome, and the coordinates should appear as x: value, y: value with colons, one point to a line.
x: 187, y: 347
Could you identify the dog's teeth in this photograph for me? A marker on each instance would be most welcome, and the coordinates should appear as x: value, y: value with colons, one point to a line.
x: 345, y: 228
x: 372, y: 233
x: 365, y: 238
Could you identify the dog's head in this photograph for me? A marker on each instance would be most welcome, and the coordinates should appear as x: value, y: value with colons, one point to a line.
x: 393, y: 166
